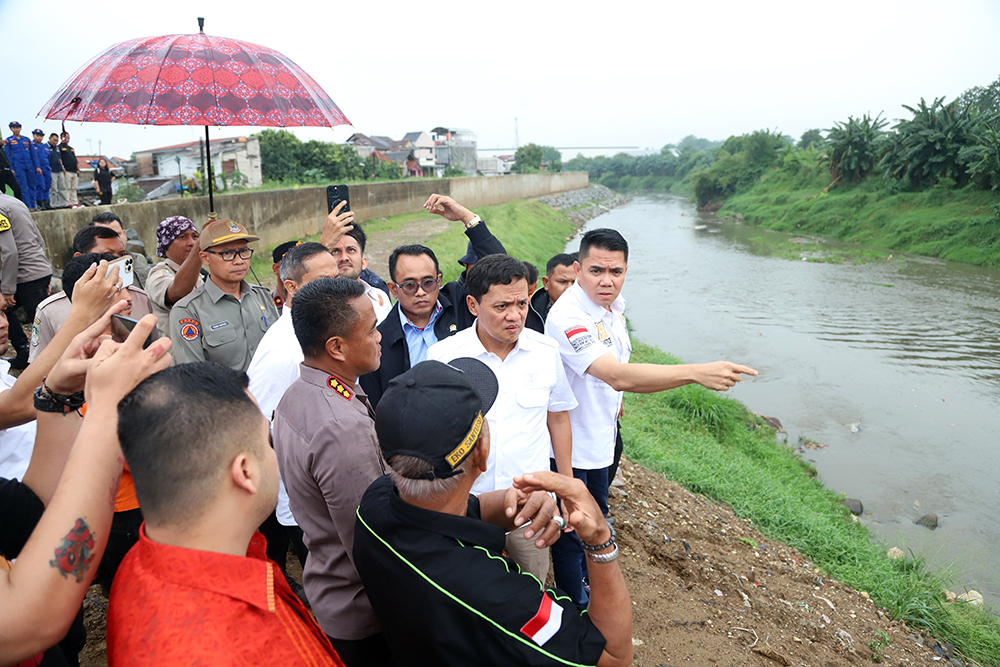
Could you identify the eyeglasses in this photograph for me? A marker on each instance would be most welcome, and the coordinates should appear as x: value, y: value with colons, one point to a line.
x: 230, y: 255
x: 427, y: 284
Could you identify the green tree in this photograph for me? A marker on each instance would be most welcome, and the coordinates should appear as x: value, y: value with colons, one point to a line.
x: 453, y: 171
x: 855, y: 146
x: 928, y: 147
x: 552, y: 157
x: 279, y: 155
x: 528, y: 159
x: 811, y: 138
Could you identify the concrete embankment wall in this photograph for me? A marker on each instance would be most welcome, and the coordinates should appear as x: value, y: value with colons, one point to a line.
x: 278, y: 215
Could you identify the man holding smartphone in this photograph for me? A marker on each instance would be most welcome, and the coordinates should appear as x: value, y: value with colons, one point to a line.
x: 225, y: 319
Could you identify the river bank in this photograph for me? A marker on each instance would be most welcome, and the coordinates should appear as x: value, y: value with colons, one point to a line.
x: 961, y: 225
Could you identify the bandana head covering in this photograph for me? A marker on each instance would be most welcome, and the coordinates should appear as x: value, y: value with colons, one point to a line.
x: 168, y: 230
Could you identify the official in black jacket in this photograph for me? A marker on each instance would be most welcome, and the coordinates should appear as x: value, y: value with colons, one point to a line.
x: 425, y: 311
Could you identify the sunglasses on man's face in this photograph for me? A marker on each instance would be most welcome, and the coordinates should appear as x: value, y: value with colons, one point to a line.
x: 427, y: 285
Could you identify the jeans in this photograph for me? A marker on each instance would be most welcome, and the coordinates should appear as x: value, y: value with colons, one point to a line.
x: 569, y: 562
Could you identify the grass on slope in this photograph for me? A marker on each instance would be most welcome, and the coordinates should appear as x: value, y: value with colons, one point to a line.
x: 954, y: 224
x: 712, y: 445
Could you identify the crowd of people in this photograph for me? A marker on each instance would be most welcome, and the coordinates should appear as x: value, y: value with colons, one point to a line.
x: 44, y: 173
x: 427, y: 451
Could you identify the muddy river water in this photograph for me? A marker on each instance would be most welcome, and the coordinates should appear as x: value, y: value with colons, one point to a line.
x: 893, y: 364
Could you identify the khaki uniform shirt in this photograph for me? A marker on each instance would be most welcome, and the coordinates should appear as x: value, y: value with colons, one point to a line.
x: 158, y: 280
x: 324, y: 435
x: 22, y: 248
x: 210, y: 325
x: 53, y: 311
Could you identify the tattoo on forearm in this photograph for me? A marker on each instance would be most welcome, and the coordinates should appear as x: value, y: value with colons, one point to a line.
x: 76, y: 553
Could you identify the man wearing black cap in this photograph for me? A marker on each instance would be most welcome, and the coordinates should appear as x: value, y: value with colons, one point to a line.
x: 425, y: 311
x: 23, y: 160
x: 423, y: 543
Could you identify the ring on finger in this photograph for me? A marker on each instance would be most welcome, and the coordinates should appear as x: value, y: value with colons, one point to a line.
x: 561, y: 522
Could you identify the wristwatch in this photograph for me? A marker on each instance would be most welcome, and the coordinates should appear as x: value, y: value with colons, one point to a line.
x: 472, y: 223
x: 605, y: 558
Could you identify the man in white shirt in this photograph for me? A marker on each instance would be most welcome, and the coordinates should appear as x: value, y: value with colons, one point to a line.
x: 275, y: 366
x: 588, y: 323
x: 529, y: 421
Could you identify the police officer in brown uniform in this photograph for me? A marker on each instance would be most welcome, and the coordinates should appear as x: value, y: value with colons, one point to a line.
x: 224, y: 319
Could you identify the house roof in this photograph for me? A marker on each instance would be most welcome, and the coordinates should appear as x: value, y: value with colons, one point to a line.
x: 84, y: 161
x: 191, y: 144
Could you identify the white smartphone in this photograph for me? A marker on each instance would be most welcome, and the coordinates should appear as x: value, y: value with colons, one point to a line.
x: 125, y: 269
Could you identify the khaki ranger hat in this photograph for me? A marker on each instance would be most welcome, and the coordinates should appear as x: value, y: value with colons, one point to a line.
x: 223, y: 231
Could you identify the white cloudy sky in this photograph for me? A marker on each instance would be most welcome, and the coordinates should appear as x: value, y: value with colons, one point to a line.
x: 624, y: 73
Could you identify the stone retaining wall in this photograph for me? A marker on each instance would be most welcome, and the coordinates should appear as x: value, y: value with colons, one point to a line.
x: 278, y: 215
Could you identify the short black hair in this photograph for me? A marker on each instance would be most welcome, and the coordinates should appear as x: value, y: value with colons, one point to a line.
x: 358, y: 234
x: 77, y: 266
x: 86, y: 238
x: 293, y: 263
x: 604, y: 239
x: 179, y: 430
x: 106, y: 218
x: 494, y: 270
x: 562, y: 259
x: 323, y: 310
x: 413, y: 251
x: 281, y: 250
x: 532, y: 272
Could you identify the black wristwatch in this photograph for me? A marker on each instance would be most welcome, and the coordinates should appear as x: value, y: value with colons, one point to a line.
x: 47, y: 401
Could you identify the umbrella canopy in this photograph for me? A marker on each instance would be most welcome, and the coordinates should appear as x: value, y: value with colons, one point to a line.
x: 193, y: 80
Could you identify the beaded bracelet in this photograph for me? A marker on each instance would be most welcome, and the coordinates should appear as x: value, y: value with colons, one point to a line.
x: 48, y: 401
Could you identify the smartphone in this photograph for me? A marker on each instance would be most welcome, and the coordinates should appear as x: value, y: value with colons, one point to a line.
x: 122, y: 326
x: 125, y: 269
x: 336, y: 194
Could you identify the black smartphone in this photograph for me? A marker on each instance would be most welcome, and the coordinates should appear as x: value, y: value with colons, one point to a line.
x: 336, y: 194
x: 122, y: 326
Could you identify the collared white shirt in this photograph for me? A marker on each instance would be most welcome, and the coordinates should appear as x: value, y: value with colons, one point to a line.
x: 380, y: 301
x: 532, y: 384
x: 273, y: 369
x: 16, y: 442
x: 419, y: 340
x: 585, y: 332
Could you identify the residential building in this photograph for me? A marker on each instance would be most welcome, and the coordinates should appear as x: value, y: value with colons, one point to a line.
x: 228, y: 156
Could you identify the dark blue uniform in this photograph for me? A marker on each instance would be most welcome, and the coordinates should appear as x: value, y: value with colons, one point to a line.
x: 24, y: 162
x: 44, y: 182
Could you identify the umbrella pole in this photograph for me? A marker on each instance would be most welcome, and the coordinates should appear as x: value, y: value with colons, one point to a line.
x: 208, y: 169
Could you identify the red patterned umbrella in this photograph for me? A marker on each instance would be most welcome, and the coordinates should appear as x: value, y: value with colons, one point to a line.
x: 193, y: 80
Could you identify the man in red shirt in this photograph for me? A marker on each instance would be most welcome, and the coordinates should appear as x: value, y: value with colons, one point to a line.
x: 198, y: 587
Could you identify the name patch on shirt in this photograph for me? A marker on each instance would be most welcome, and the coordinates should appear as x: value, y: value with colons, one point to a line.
x: 339, y: 387
x: 218, y: 325
x: 189, y: 328
x: 4, y: 223
x: 579, y: 338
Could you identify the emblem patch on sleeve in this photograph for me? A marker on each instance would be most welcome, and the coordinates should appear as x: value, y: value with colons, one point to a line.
x: 339, y: 387
x: 189, y: 328
x: 579, y: 338
x: 4, y: 223
x: 545, y: 623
